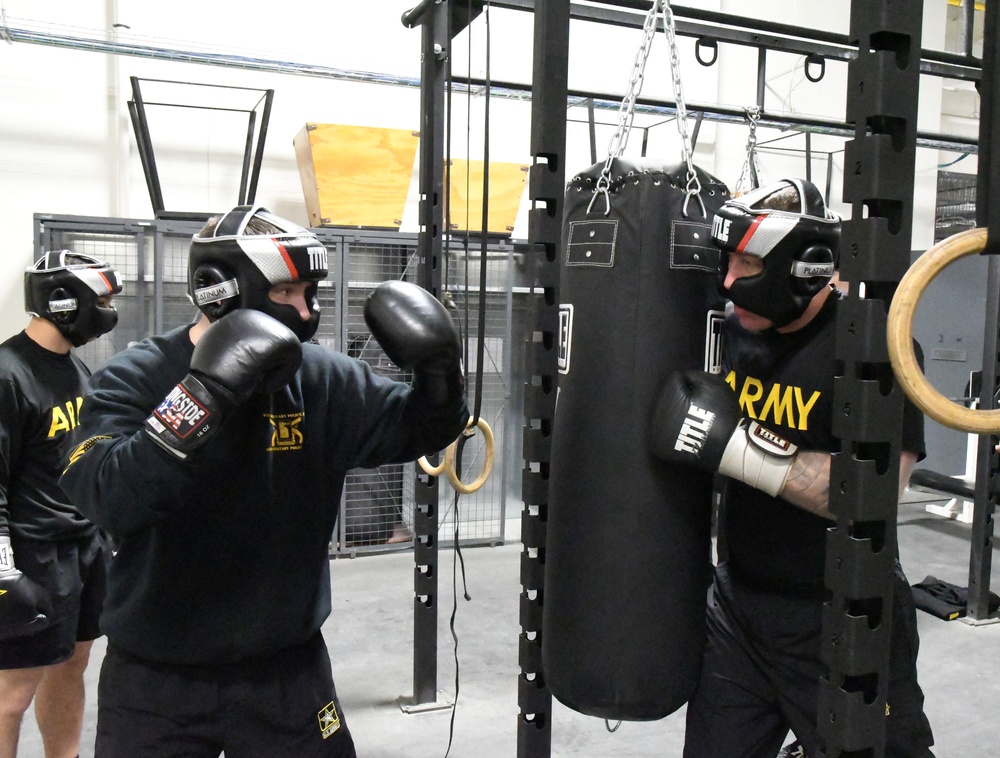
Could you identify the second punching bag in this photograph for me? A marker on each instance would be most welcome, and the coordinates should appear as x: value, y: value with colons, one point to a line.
x: 628, y: 542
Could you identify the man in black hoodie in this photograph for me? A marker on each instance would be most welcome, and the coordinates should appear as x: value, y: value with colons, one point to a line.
x: 216, y: 455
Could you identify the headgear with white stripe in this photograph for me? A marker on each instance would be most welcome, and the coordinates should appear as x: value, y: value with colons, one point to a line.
x: 234, y: 264
x: 797, y: 243
x: 64, y: 288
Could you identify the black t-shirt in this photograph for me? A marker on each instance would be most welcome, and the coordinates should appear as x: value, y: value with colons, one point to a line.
x: 785, y: 381
x: 40, y: 397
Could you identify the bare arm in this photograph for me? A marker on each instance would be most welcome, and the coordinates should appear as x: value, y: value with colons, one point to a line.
x: 808, y: 483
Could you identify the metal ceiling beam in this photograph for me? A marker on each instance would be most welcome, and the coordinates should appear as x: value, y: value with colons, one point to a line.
x: 739, y: 30
x: 517, y: 91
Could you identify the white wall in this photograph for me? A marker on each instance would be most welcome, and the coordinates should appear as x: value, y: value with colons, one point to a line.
x: 66, y: 143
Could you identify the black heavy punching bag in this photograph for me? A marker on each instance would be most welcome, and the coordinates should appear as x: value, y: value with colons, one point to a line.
x: 628, y: 545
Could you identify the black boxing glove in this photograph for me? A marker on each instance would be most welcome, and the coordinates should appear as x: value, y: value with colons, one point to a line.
x: 244, y: 352
x: 416, y: 332
x: 25, y: 606
x: 697, y: 421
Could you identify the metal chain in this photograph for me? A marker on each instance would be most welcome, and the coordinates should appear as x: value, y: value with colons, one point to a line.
x: 692, y: 184
x: 750, y: 173
x: 626, y: 111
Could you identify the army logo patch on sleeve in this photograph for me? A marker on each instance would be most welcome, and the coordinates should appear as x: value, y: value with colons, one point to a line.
x: 329, y: 721
x: 83, y: 447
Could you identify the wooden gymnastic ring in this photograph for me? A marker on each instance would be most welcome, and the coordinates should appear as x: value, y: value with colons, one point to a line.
x: 428, y: 468
x: 899, y: 332
x: 449, y: 460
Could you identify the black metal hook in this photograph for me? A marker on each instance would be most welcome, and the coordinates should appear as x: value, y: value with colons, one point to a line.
x: 712, y: 44
x: 815, y: 59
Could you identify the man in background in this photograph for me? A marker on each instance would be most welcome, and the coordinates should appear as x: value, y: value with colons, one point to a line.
x: 53, y: 561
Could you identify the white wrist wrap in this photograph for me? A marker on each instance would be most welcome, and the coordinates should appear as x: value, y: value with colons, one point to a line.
x: 759, y: 457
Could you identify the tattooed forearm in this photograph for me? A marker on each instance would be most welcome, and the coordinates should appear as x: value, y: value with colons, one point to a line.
x: 808, y: 483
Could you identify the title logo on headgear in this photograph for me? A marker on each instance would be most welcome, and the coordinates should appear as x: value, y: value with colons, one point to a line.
x: 720, y: 229
x: 317, y: 258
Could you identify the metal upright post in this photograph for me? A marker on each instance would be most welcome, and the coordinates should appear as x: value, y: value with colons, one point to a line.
x: 546, y: 188
x: 258, y: 153
x: 435, y: 47
x: 137, y: 111
x: 987, y: 215
x: 247, y: 150
x: 440, y: 21
x: 864, y: 478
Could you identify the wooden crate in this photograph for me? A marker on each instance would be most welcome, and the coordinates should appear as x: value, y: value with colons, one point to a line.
x: 466, y: 195
x: 355, y: 175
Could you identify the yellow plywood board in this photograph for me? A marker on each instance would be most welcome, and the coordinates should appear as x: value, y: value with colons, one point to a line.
x: 355, y: 175
x: 466, y: 195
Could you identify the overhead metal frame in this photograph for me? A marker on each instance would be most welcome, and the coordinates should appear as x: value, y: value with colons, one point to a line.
x: 253, y: 150
x: 890, y: 216
x: 756, y: 33
x: 725, y: 114
x: 824, y: 45
x: 709, y: 27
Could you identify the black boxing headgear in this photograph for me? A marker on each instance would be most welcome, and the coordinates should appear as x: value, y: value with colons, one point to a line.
x: 63, y: 287
x: 229, y: 268
x: 798, y: 248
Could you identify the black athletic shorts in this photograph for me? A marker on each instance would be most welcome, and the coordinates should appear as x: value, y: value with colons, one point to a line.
x: 75, y: 573
x: 761, y: 670
x: 280, y: 705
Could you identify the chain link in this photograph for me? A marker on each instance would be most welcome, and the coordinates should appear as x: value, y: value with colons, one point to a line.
x: 750, y: 173
x: 626, y: 111
x: 692, y: 187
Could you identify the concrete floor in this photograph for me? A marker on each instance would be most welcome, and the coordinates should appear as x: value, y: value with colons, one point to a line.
x: 370, y: 638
